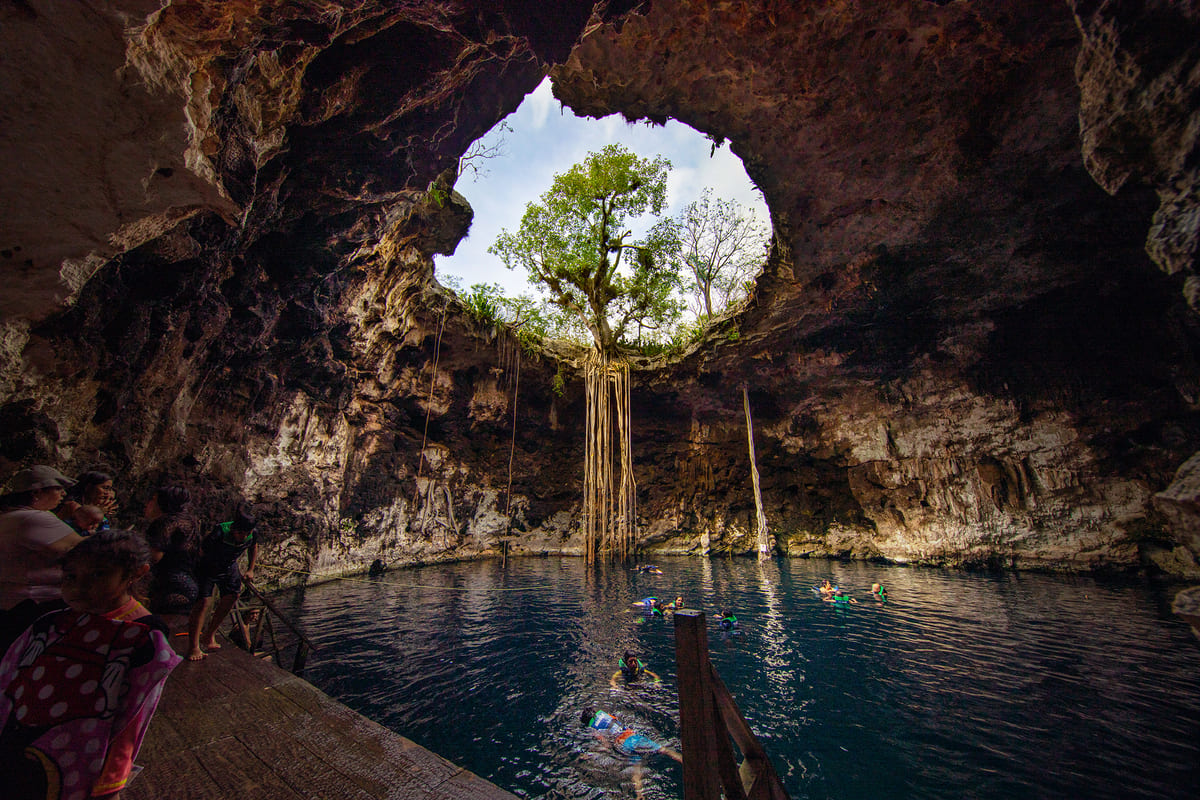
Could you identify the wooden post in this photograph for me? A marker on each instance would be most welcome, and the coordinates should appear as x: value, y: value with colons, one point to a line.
x: 301, y: 659
x: 705, y: 742
x: 708, y: 718
x: 695, y: 714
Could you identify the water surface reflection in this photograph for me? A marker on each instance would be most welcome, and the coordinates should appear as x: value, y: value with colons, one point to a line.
x: 963, y: 685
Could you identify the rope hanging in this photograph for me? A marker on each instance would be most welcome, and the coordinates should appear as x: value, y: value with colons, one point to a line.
x: 512, y: 448
x: 437, y: 354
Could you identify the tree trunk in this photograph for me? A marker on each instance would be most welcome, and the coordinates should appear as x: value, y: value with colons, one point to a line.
x: 764, y: 547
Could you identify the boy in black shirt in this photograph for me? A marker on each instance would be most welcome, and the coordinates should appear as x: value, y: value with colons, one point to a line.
x: 218, y: 566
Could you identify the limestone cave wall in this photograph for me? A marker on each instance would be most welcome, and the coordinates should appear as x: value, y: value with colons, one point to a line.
x: 975, y: 341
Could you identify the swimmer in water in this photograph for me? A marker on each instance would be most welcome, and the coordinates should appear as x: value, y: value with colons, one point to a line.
x: 649, y: 569
x: 878, y: 592
x: 633, y: 669
x: 651, y: 605
x: 625, y: 741
x: 726, y: 620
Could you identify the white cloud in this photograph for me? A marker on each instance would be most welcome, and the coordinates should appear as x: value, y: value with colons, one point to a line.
x: 539, y: 104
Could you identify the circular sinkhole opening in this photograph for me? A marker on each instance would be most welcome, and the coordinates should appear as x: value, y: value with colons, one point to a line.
x: 720, y: 218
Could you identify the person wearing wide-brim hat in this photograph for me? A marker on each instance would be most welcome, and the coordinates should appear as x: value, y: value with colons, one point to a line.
x: 32, y: 539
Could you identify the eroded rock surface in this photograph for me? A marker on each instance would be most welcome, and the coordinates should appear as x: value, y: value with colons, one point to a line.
x: 972, y: 344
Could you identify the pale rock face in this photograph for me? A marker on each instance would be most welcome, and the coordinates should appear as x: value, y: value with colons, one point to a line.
x: 1138, y: 115
x: 1181, y: 503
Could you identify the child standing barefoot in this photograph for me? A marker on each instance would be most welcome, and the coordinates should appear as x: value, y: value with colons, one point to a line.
x: 78, y: 688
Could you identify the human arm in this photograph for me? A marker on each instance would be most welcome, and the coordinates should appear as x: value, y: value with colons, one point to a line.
x: 60, y: 546
x: 653, y: 675
x: 252, y: 559
x: 613, y: 680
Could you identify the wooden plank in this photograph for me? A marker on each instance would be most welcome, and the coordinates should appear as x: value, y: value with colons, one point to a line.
x: 366, y: 766
x: 235, y: 726
x: 162, y: 740
x: 305, y: 770
x: 727, y: 766
x: 468, y: 786
x: 379, y: 754
x: 735, y: 723
x: 238, y: 772
x: 191, y: 720
x: 175, y: 776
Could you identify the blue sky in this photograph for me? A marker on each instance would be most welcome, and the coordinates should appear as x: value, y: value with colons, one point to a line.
x: 547, y: 139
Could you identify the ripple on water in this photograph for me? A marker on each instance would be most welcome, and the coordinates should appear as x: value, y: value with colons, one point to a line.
x: 963, y: 685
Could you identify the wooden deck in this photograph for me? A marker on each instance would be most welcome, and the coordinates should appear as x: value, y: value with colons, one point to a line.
x: 234, y: 726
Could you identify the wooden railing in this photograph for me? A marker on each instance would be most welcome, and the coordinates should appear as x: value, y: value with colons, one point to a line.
x: 252, y: 631
x: 708, y: 719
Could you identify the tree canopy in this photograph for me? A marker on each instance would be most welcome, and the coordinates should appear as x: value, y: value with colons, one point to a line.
x: 723, y: 247
x: 577, y: 245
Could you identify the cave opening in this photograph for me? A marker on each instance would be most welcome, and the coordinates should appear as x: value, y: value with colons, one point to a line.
x: 515, y: 163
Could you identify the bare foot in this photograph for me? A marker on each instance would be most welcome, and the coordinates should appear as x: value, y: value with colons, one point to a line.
x: 210, y: 645
x: 196, y: 654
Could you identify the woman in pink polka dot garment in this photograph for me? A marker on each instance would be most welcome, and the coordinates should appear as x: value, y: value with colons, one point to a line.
x: 78, y: 688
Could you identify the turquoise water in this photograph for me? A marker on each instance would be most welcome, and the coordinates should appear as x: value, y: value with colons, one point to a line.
x: 964, y: 685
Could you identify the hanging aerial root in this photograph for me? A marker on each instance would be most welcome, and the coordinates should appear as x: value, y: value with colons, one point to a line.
x: 609, y: 501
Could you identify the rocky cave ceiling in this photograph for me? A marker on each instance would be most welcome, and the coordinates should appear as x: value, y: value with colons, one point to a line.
x: 974, y: 325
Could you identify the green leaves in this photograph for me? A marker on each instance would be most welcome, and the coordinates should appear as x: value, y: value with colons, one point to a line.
x: 619, y: 289
x: 577, y: 246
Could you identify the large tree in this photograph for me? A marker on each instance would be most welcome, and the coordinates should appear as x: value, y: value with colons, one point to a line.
x: 577, y: 245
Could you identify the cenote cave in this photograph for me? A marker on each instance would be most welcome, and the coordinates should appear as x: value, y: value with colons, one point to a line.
x: 973, y: 349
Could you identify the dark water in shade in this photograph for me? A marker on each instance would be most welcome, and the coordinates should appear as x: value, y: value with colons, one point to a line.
x: 962, y: 686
